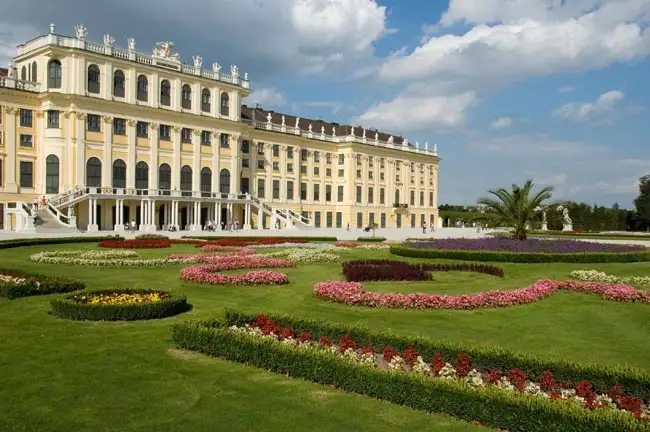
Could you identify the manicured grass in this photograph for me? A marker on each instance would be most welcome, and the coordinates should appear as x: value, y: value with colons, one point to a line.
x: 59, y: 375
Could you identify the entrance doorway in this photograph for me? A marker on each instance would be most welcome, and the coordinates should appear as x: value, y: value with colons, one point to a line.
x: 183, y: 218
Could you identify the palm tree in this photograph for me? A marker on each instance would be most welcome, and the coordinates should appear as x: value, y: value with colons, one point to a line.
x: 516, y: 208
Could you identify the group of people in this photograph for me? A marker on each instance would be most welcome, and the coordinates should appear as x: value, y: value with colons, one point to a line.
x: 230, y: 226
x: 432, y: 227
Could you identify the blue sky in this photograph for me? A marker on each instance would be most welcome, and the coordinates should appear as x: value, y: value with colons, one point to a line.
x: 554, y: 90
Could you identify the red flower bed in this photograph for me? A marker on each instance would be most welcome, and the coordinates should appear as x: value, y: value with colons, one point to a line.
x: 382, y: 270
x: 135, y: 244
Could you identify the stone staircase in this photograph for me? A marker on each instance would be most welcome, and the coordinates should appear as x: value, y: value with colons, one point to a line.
x: 46, y: 223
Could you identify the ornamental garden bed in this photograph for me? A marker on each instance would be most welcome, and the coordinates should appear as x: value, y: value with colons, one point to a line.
x: 371, y: 239
x: 263, y: 239
x: 208, y: 274
x: 135, y: 244
x: 489, y: 386
x: 8, y: 244
x: 106, y: 258
x: 527, y: 251
x: 117, y: 304
x: 17, y: 283
x: 597, y: 276
x: 354, y: 293
x: 385, y: 270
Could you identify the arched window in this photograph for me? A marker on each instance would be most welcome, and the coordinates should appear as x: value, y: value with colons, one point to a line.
x: 34, y: 72
x: 118, y: 83
x: 206, y: 181
x: 23, y: 74
x: 165, y: 93
x: 396, y: 196
x: 225, y: 104
x: 165, y: 178
x: 142, y: 175
x: 94, y: 172
x: 186, y: 100
x: 205, y: 100
x: 186, y: 180
x: 119, y: 174
x: 54, y: 74
x: 143, y: 89
x: 224, y: 181
x: 93, y: 79
x: 52, y: 174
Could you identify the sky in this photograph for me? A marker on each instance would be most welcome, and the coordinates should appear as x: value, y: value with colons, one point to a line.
x: 553, y: 90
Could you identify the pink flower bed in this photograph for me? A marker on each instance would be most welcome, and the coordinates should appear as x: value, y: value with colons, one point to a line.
x: 228, y: 249
x: 348, y: 244
x: 207, y: 274
x: 353, y: 293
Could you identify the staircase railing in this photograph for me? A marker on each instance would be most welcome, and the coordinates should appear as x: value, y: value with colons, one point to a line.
x: 298, y: 217
x: 59, y: 216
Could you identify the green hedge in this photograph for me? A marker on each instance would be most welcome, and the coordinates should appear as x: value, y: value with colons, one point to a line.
x: 488, y: 406
x: 634, y: 381
x: 66, y: 307
x: 521, y: 257
x: 371, y: 239
x: 36, y: 284
x: 8, y: 244
x: 244, y: 238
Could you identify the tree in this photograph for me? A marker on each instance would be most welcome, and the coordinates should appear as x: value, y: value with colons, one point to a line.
x: 642, y: 202
x: 516, y: 208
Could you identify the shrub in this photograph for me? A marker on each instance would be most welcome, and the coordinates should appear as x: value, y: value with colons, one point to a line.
x: 377, y: 270
x: 8, y: 244
x: 489, y: 406
x: 77, y: 306
x: 151, y: 237
x: 35, y: 284
x: 371, y: 239
x: 135, y: 244
x: 520, y: 257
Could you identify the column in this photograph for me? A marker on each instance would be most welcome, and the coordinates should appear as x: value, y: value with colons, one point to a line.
x: 142, y: 215
x: 217, y: 215
x: 39, y: 128
x: 310, y: 176
x: 247, y: 219
x: 92, y: 215
x: 176, y: 164
x: 119, y: 224
x: 215, y: 161
x: 268, y: 172
x: 10, y: 147
x: 174, y: 214
x: 196, y: 160
x: 252, y: 163
x: 130, y: 163
x: 235, y: 173
x: 296, y: 175
x: 108, y: 152
x: 323, y: 172
x: 283, y: 173
x: 80, y: 160
x: 260, y: 217
x: 153, y: 166
x: 152, y: 216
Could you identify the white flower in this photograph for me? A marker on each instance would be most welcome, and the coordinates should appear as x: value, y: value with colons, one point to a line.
x: 397, y: 363
x: 351, y: 354
x: 504, y: 384
x: 597, y: 276
x: 368, y: 359
x: 534, y: 389
x: 474, y: 379
x: 447, y: 372
x: 421, y: 367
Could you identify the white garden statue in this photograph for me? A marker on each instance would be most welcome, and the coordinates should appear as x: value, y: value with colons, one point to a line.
x: 567, y: 222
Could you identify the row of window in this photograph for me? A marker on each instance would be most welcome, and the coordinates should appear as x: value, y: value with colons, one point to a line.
x: 361, y: 221
x: 93, y: 85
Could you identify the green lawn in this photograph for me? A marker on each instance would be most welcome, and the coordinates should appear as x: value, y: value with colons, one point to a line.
x: 59, y: 375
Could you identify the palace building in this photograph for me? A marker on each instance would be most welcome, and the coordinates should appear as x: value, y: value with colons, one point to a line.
x: 101, y: 136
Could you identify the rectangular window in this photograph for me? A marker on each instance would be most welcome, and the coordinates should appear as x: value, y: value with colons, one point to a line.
x: 328, y: 172
x: 328, y: 158
x: 328, y: 219
x: 289, y: 167
x: 371, y: 195
x: 339, y: 194
x: 430, y: 199
x: 370, y: 175
x: 381, y: 176
x: 358, y: 159
x: 245, y: 146
x: 142, y: 130
x: 303, y: 191
x: 225, y: 140
x: 260, y: 149
x: 382, y: 220
x: 371, y: 218
x: 358, y: 194
x: 260, y: 164
x: 421, y: 198
x: 26, y: 140
x: 26, y: 174
x: 245, y: 163
x: 359, y: 220
x: 316, y: 192
x: 165, y: 133
x: 289, y: 190
x: 328, y: 193
x: 316, y: 156
x: 289, y: 152
x: 303, y: 155
x: 206, y: 138
x: 276, y: 189
x: 412, y: 220
x: 371, y: 162
x: 93, y: 123
x: 26, y: 118
x: 276, y: 150
x: 412, y: 198
x: 316, y: 171
x: 1, y: 162
x: 317, y: 219
x: 341, y: 159
x: 381, y: 163
x: 303, y: 169
x: 358, y: 173
x: 186, y: 136
x: 341, y: 173
x: 339, y: 219
x: 276, y: 166
x: 52, y: 119
x: 119, y: 126
x: 382, y: 196
x: 260, y: 188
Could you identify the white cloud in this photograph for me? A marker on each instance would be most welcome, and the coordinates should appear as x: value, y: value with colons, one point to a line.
x: 551, y: 179
x: 565, y: 89
x: 333, y: 106
x: 581, y: 112
x: 502, y: 122
x: 538, y: 146
x: 513, y: 41
x: 266, y: 97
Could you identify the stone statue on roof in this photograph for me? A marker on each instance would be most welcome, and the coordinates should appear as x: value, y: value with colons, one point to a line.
x: 166, y: 50
x: 131, y: 44
x: 198, y: 61
x: 81, y: 31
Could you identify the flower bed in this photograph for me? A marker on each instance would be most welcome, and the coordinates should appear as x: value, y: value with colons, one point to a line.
x: 596, y: 276
x: 17, y: 283
x: 423, y: 250
x: 135, y: 244
x: 227, y: 249
x: 371, y: 239
x: 304, y: 255
x: 255, y: 238
x: 413, y: 372
x: 353, y: 293
x: 502, y: 244
x: 240, y: 242
x: 151, y: 237
x: 317, y: 246
x: 346, y: 244
x: 383, y: 270
x: 115, y: 304
x: 102, y: 258
x: 205, y: 274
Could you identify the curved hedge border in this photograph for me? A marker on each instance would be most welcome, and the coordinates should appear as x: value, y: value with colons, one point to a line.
x: 36, y: 284
x: 487, y: 406
x: 387, y: 270
x: 521, y: 257
x: 8, y: 244
x: 371, y: 239
x: 66, y: 307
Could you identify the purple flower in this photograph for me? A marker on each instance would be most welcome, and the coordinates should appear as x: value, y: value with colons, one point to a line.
x: 504, y: 244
